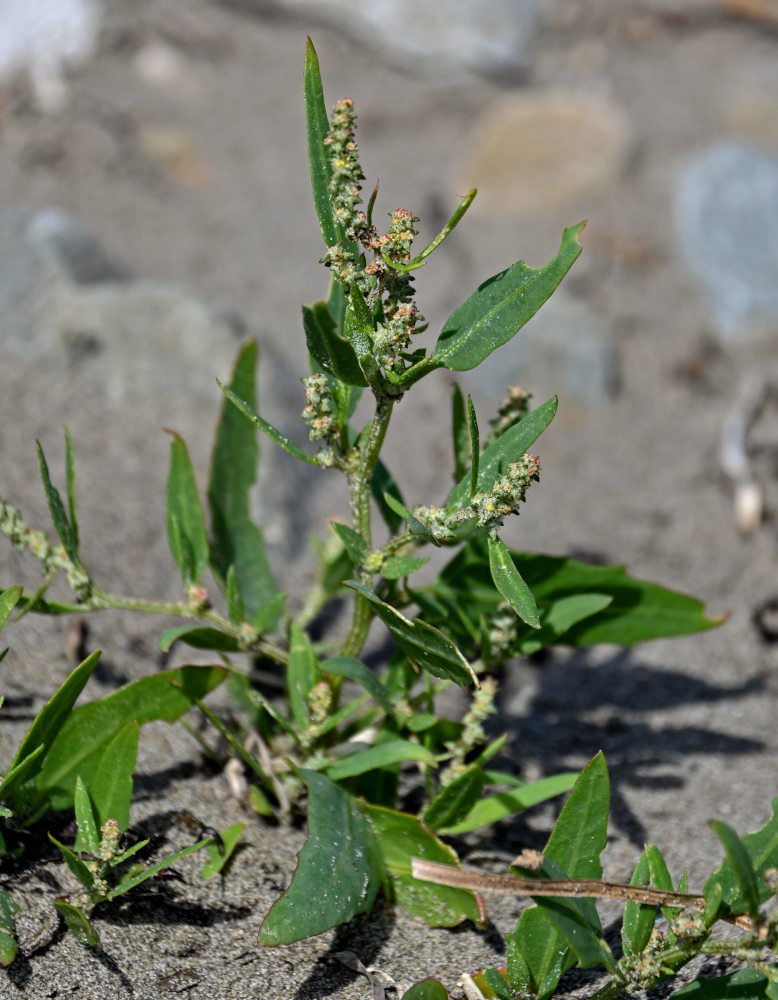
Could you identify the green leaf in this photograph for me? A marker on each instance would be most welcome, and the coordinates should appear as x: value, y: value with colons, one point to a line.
x: 198, y: 637
x: 449, y: 227
x: 273, y: 433
x: 402, y: 837
x: 88, y: 831
x: 424, y: 645
x: 455, y: 800
x: 339, y: 870
x: 415, y: 526
x: 396, y: 567
x: 588, y: 946
x: 382, y: 755
x: 358, y: 328
x: 188, y: 541
x: 134, y: 880
x: 464, y: 593
x: 8, y: 910
x: 79, y: 868
x: 353, y: 542
x: 9, y: 598
x: 638, y: 917
x: 45, y: 728
x: 507, y: 448
x: 332, y: 352
x: 302, y: 673
x: 510, y: 584
x: 459, y: 433
x: 316, y: 130
x: 742, y: 868
x: 560, y: 616
x: 495, y: 807
x: 89, y: 729
x: 111, y: 790
x: 660, y: 876
x: 58, y: 516
x: 237, y: 541
x: 235, y: 610
x: 78, y: 922
x: 762, y: 848
x: 501, y: 306
x: 356, y: 670
x: 219, y: 859
x: 575, y: 844
x: 497, y: 982
x: 745, y: 984
x: 475, y: 446
x: 382, y: 484
x: 427, y: 989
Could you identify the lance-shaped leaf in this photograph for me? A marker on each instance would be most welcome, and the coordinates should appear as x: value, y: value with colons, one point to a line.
x: 427, y: 989
x: 46, y: 726
x: 339, y: 870
x: 199, y: 637
x: 402, y: 837
x: 272, y: 432
x: 77, y: 921
x: 638, y: 917
x: 510, y: 583
x: 397, y: 567
x: 501, y: 306
x: 237, y: 541
x: 575, y: 844
x: 455, y: 800
x: 316, y: 130
x: 762, y: 849
x: 461, y: 439
x: 381, y: 755
x: 745, y: 984
x: 356, y: 670
x: 111, y: 790
x: 9, y: 598
x: 491, y: 808
x: 302, y: 673
x: 66, y: 531
x: 424, y: 645
x: 89, y: 729
x: 333, y: 353
x: 185, y: 522
x: 353, y: 542
x: 8, y: 910
x: 358, y: 328
x: 507, y: 448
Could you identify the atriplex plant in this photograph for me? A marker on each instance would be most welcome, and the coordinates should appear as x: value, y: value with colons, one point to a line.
x: 344, y: 732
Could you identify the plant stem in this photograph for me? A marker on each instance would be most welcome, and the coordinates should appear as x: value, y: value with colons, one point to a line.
x: 360, y: 483
x: 100, y: 600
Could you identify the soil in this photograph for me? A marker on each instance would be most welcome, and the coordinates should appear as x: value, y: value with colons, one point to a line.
x: 221, y: 204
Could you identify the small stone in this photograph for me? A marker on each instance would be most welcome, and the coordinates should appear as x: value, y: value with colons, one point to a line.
x: 726, y: 210
x: 541, y: 150
x: 564, y: 349
x: 492, y: 36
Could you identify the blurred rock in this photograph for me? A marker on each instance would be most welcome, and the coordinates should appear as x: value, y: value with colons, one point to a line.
x: 539, y: 150
x: 726, y: 211
x: 43, y: 40
x: 564, y: 349
x: 65, y: 303
x: 492, y: 36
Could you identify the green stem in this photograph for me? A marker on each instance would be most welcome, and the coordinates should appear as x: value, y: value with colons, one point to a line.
x: 360, y: 484
x: 100, y: 600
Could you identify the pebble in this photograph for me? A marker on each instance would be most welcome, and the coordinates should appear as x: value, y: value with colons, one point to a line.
x: 726, y: 210
x: 492, y: 36
x: 540, y: 150
x: 66, y: 303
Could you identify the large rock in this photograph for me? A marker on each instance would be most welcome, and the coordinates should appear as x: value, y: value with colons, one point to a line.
x: 491, y: 35
x: 727, y: 221
x: 68, y: 305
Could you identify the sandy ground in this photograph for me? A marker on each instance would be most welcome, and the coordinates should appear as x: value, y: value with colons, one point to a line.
x: 688, y: 726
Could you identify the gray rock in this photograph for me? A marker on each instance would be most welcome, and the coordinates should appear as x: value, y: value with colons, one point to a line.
x: 68, y: 305
x: 727, y: 221
x: 564, y: 349
x: 491, y: 35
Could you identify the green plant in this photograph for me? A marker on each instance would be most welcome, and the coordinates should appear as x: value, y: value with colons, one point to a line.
x: 84, y: 757
x: 344, y: 733
x: 563, y: 928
